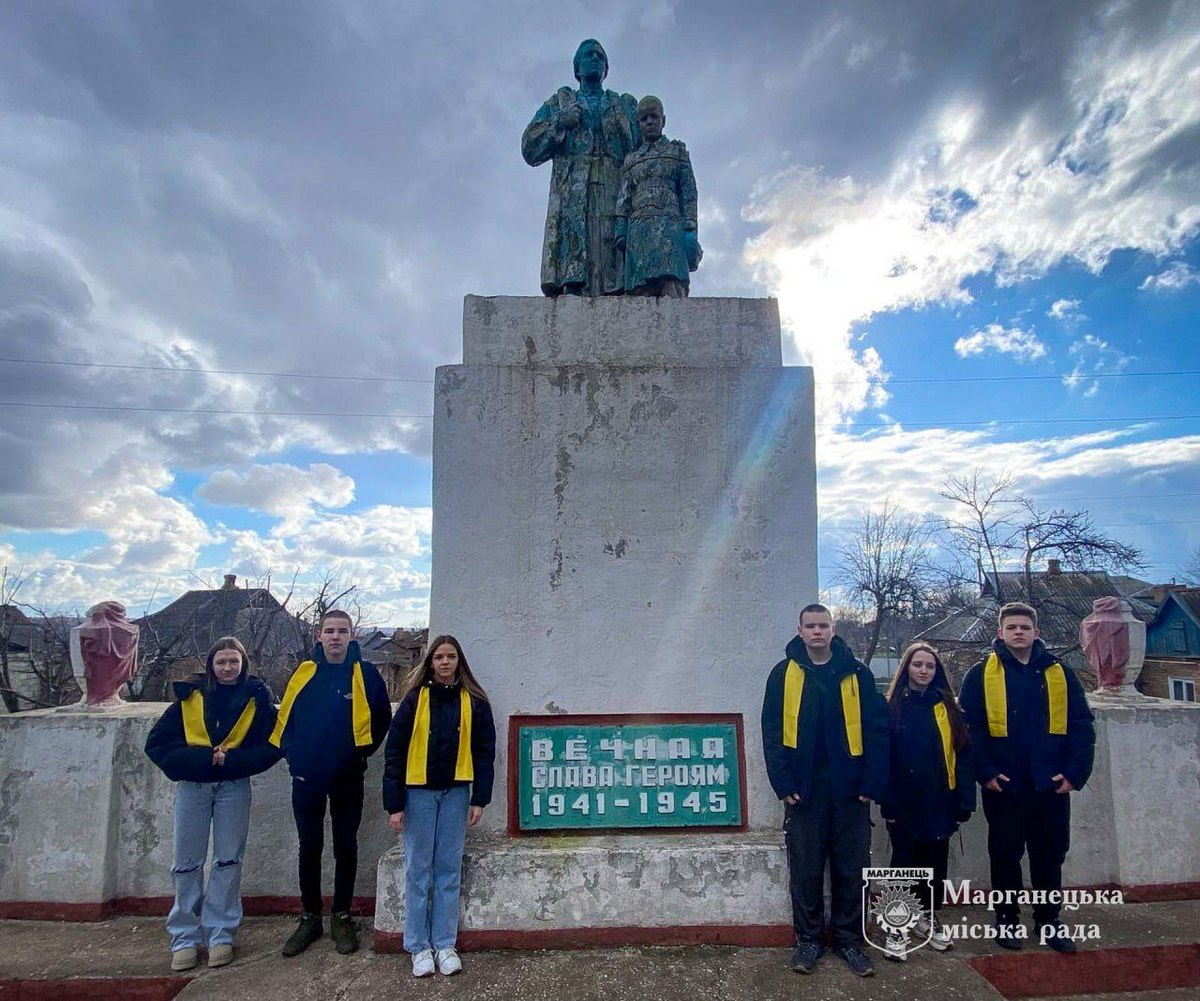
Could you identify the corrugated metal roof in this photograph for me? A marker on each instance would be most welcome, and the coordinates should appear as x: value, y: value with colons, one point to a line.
x: 1063, y: 600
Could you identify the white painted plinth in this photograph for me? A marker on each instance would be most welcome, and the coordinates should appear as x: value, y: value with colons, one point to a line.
x: 624, y: 509
x: 554, y: 891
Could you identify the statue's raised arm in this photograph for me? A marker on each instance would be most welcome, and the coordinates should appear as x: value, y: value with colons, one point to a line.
x: 587, y: 133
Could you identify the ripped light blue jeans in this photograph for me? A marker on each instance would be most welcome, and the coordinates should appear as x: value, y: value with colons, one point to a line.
x: 208, y: 916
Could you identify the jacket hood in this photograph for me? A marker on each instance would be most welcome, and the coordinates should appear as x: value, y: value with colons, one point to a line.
x: 353, y: 653
x: 246, y: 684
x: 1039, y: 656
x: 843, y: 662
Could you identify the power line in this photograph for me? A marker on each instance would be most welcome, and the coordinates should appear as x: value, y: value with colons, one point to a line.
x: 214, y: 411
x: 217, y: 411
x: 199, y: 370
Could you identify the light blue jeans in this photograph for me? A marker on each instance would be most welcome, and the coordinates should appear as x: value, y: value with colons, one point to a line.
x: 209, y: 916
x: 435, y: 830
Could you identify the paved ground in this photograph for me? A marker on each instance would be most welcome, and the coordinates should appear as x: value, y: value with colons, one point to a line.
x: 136, y: 947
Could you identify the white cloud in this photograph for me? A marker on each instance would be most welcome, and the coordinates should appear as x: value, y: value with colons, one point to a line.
x: 1023, y: 345
x: 974, y: 193
x: 857, y: 471
x: 1092, y: 356
x: 1066, y: 310
x: 1178, y: 276
x: 282, y: 490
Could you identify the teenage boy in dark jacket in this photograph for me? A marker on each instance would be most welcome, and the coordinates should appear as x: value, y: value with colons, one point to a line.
x: 825, y: 740
x: 1033, y: 742
x: 334, y: 715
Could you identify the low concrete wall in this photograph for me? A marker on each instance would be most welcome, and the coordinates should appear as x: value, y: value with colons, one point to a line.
x: 85, y: 824
x: 86, y: 820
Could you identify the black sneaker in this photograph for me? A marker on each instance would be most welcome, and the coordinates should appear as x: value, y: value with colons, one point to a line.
x: 859, y: 963
x: 1057, y: 937
x: 345, y: 934
x: 805, y: 956
x: 1007, y: 936
x: 307, y: 932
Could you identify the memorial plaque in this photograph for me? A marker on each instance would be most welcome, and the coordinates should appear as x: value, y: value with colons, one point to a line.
x: 626, y: 772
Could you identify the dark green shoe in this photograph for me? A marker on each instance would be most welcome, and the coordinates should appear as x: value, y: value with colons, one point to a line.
x: 345, y: 934
x: 307, y: 932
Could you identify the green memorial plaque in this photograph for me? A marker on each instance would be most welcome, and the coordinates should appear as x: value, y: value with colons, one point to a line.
x: 621, y: 772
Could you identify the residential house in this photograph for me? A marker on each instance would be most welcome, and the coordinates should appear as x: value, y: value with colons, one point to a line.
x: 1063, y: 598
x: 395, y: 653
x: 35, y: 665
x: 1172, y: 669
x: 175, y: 640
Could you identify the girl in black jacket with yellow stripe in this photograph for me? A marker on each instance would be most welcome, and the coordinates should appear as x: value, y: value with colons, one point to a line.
x: 932, y: 785
x: 438, y: 772
x: 209, y: 742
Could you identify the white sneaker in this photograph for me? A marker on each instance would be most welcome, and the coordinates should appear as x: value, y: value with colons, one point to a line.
x: 894, y: 949
x: 939, y: 938
x: 448, y: 962
x: 423, y: 963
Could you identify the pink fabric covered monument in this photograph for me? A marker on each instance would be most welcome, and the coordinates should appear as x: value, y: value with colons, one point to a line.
x: 1114, y: 642
x: 104, y: 654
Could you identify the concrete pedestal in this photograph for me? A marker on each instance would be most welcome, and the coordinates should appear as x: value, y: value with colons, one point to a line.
x: 624, y: 509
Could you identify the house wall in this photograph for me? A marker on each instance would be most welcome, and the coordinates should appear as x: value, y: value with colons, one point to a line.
x: 1173, y: 635
x: 1157, y: 672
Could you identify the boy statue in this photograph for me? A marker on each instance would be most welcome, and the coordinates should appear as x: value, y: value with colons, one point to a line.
x: 656, y: 211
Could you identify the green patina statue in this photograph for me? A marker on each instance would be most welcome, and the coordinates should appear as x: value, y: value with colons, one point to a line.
x: 656, y: 211
x: 587, y: 133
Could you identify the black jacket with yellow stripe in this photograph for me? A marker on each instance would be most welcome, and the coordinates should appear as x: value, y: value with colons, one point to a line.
x: 240, y: 719
x: 840, y: 697
x: 332, y: 717
x: 932, y: 787
x: 441, y: 736
x: 1029, y: 721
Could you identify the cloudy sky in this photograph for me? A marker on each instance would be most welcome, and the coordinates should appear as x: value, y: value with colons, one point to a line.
x: 222, y: 224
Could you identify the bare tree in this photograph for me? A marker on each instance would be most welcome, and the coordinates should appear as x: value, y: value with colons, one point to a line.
x: 1072, y: 537
x: 999, y: 526
x: 36, y: 647
x: 981, y: 535
x: 11, y: 622
x: 887, y: 566
x: 1190, y: 572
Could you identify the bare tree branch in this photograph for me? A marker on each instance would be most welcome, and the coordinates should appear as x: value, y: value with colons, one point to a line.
x: 887, y: 566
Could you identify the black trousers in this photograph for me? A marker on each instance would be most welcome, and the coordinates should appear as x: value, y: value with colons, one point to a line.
x: 345, y: 796
x: 821, y: 828
x: 1039, y: 822
x: 909, y: 853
